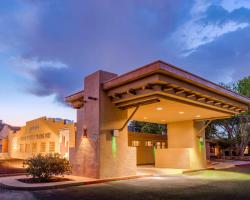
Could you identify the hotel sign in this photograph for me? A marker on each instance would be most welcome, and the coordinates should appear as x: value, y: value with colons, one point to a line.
x: 36, y: 136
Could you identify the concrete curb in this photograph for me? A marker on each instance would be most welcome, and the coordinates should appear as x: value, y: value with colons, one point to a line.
x: 243, y: 165
x: 16, y: 174
x: 65, y: 185
x: 197, y: 170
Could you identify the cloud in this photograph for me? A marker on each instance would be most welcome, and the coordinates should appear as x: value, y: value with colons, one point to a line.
x: 54, y: 44
x: 197, y: 34
x: 35, y: 63
x: 54, y: 81
x: 89, y: 35
x: 231, y: 5
x: 207, y: 23
x: 224, y: 60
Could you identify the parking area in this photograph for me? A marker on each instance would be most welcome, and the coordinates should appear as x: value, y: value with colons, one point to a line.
x: 233, y: 183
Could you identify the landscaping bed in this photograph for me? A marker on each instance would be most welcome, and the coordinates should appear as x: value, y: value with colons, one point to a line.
x: 36, y: 180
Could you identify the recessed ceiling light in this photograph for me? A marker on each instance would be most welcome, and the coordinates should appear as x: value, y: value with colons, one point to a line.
x: 144, y: 117
x: 163, y: 120
x: 181, y: 112
x: 197, y: 116
x: 159, y: 108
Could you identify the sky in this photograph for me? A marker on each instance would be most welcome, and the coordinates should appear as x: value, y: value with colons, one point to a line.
x: 48, y: 46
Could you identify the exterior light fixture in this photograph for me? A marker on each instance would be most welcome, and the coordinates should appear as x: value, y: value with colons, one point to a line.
x: 181, y: 112
x: 84, y: 134
x: 159, y: 108
x: 115, y: 132
x: 145, y: 118
x: 197, y: 116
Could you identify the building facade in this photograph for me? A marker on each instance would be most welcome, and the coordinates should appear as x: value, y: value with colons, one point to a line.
x: 159, y: 93
x: 42, y: 136
x: 5, y: 131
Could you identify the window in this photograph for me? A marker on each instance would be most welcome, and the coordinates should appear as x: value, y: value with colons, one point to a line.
x: 148, y: 143
x: 163, y: 145
x: 135, y: 143
x: 34, y: 147
x: 21, y: 148
x: 158, y: 145
x: 47, y: 135
x: 52, y: 147
x: 27, y: 148
x: 43, y: 147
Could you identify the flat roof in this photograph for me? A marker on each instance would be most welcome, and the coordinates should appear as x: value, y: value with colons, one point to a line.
x: 168, y: 69
x: 196, y: 83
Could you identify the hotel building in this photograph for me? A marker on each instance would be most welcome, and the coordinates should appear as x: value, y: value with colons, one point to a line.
x: 5, y: 131
x: 42, y: 136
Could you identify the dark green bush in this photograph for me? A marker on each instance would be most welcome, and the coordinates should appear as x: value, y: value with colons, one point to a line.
x: 45, y: 167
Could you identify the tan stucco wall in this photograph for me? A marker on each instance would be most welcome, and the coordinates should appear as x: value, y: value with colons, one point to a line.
x: 173, y: 158
x: 5, y: 145
x: 116, y: 157
x: 145, y: 154
x: 93, y: 156
x: 185, y: 149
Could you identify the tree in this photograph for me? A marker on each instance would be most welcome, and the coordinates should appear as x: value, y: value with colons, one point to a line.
x: 146, y: 127
x: 225, y: 131
x: 244, y: 133
x: 234, y: 132
x: 243, y: 86
x: 43, y: 168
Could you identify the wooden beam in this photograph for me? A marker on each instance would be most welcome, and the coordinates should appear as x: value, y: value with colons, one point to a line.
x: 232, y: 107
x: 130, y: 117
x: 179, y: 91
x: 170, y: 88
x: 201, y: 98
x: 199, y: 133
x: 210, y: 101
x: 191, y: 95
x: 225, y: 106
x: 131, y: 104
x: 200, y: 90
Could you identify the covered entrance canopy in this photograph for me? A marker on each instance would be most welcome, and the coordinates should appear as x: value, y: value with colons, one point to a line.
x: 160, y: 80
x: 158, y: 92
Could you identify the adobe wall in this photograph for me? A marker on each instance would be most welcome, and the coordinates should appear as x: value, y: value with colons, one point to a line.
x: 100, y: 155
x: 185, y: 149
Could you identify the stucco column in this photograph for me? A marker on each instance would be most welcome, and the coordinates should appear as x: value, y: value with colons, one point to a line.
x: 185, y: 149
x: 117, y: 159
x: 99, y: 154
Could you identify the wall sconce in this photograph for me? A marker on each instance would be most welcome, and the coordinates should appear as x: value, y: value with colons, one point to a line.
x: 115, y: 132
x: 84, y: 134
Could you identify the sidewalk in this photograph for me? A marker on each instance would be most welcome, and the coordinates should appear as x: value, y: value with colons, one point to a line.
x: 223, y: 164
x: 12, y: 182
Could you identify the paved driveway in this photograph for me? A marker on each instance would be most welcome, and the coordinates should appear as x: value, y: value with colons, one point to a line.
x: 227, y: 184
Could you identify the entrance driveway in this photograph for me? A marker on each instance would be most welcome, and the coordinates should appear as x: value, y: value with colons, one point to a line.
x: 233, y: 183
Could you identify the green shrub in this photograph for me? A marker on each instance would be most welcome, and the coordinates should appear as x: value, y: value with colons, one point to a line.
x: 44, y: 167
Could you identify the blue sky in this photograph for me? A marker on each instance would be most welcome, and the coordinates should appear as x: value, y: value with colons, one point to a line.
x: 48, y: 46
